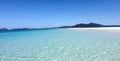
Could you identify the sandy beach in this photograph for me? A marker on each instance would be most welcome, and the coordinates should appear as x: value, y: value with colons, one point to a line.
x: 98, y: 28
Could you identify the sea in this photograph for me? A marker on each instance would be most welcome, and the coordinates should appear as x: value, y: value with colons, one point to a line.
x: 60, y: 45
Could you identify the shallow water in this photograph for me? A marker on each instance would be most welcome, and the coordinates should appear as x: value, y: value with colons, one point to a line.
x: 60, y: 45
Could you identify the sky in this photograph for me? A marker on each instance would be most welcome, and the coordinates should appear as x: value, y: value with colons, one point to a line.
x: 54, y: 13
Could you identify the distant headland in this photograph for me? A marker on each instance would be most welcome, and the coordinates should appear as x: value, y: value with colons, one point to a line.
x: 90, y: 25
x: 24, y: 29
x: 81, y: 25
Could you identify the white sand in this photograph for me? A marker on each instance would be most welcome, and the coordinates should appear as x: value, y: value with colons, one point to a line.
x: 98, y: 28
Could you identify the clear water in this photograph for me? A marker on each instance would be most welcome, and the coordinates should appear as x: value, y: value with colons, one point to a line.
x: 60, y: 45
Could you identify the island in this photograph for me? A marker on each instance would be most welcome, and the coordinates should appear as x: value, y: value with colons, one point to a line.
x: 81, y: 25
x: 89, y: 25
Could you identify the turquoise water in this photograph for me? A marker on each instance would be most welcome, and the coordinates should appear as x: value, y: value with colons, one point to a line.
x: 60, y: 45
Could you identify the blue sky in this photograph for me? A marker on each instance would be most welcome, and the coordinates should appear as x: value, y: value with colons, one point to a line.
x: 52, y: 13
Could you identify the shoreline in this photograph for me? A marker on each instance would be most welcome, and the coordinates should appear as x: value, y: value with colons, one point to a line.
x: 97, y: 28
